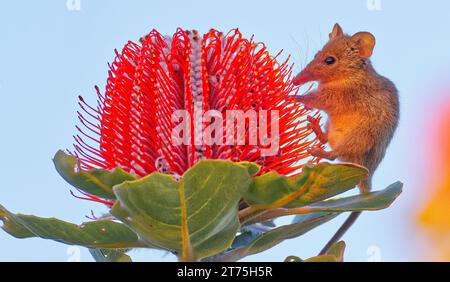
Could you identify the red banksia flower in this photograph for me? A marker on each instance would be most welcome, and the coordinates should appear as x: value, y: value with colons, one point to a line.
x: 148, y: 81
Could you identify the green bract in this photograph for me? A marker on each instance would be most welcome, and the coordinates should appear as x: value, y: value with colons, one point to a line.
x: 198, y: 216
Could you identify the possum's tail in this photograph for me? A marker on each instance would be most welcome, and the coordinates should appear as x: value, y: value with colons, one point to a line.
x: 364, y: 187
x: 341, y: 231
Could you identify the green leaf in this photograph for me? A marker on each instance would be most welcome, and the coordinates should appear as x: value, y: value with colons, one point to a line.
x: 195, y: 218
x: 292, y: 259
x: 110, y: 255
x: 275, y: 236
x: 12, y: 227
x: 334, y: 254
x: 337, y: 250
x: 315, y: 183
x: 247, y: 235
x: 252, y: 168
x: 365, y: 202
x: 94, y: 234
x: 371, y: 201
x: 322, y: 258
x: 97, y: 182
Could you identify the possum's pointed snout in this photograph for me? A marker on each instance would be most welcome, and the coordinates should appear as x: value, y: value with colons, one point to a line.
x: 301, y: 78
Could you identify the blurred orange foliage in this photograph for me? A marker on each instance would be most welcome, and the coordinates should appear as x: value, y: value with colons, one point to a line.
x: 435, y: 216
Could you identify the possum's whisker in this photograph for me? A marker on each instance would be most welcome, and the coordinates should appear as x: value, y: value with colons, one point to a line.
x: 298, y: 50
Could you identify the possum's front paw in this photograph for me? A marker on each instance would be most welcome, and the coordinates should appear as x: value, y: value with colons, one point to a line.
x: 313, y: 124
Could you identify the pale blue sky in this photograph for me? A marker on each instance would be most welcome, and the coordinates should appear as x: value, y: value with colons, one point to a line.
x: 49, y: 55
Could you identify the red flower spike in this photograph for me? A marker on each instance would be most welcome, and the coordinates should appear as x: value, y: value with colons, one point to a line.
x: 132, y: 125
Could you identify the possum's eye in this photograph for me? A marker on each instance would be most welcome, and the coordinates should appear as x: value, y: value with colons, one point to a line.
x: 330, y: 60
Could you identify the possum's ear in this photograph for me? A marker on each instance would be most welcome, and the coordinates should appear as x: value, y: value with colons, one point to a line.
x: 337, y: 31
x: 364, y: 42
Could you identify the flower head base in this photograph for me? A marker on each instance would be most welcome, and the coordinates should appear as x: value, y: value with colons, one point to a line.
x: 133, y: 125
